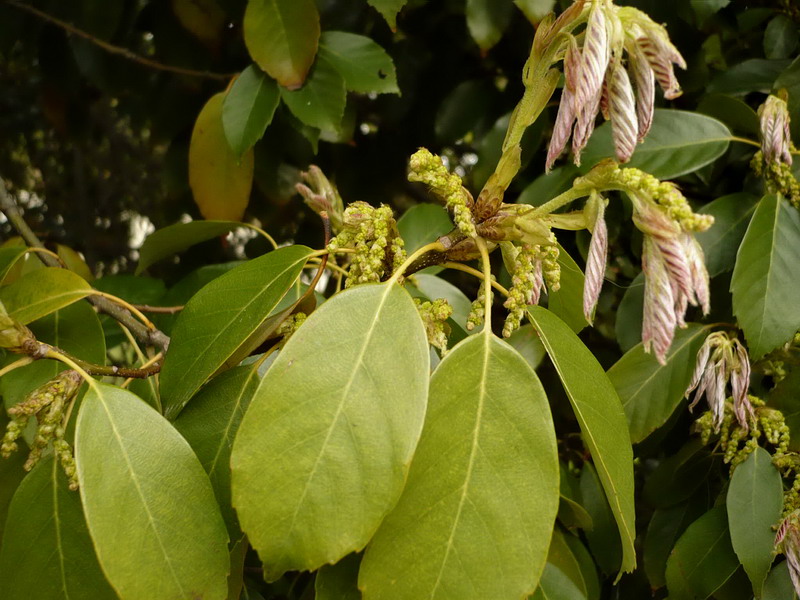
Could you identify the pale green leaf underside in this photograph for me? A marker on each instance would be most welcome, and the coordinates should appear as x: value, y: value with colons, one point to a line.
x: 149, y: 505
x: 766, y: 278
x: 322, y: 453
x: 220, y: 317
x: 477, y: 513
x: 601, y: 418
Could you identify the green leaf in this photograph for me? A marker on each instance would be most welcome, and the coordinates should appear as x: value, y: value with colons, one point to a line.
x: 220, y: 317
x: 363, y: 64
x: 526, y: 341
x: 679, y: 142
x: 422, y: 224
x: 703, y: 559
x: 600, y: 416
x: 602, y: 538
x: 779, y: 584
x: 464, y: 110
x: 752, y: 75
x: 477, y: 513
x: 434, y: 287
x: 320, y: 102
x: 734, y: 112
x: 76, y: 330
x: 221, y: 181
x: 628, y: 323
x: 248, y: 109
x: 388, y: 9
x: 561, y: 556
x: 755, y: 502
x: 535, y: 10
x: 678, y: 477
x: 47, y: 552
x: 785, y: 397
x: 720, y: 242
x: 178, y: 237
x: 586, y: 565
x: 706, y: 8
x: 555, y: 585
x: 210, y: 424
x: 11, y: 474
x: 339, y: 581
x: 766, y: 278
x: 549, y: 185
x: 148, y: 503
x: 323, y: 451
x: 567, y: 302
x: 8, y: 258
x: 789, y: 78
x: 664, y: 529
x: 650, y: 392
x: 282, y: 38
x: 487, y: 20
x: 42, y: 292
x: 781, y: 37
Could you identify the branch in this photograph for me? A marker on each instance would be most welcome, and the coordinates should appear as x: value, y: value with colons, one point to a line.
x: 38, y: 350
x: 111, y: 48
x: 124, y: 316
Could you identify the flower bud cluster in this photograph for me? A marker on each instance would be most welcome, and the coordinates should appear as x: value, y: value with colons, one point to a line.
x: 48, y: 404
x: 13, y: 335
x: 720, y: 360
x: 778, y: 177
x: 291, y: 324
x: 372, y: 232
x: 527, y: 282
x: 477, y: 312
x: 430, y: 170
x: 597, y: 78
x: 434, y: 315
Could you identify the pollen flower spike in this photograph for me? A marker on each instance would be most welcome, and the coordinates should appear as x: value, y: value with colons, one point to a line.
x: 623, y: 53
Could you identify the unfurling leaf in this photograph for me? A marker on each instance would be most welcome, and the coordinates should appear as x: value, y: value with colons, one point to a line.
x: 220, y: 180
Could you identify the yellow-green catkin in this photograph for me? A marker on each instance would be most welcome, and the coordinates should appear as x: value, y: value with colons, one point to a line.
x: 778, y: 178
x: 434, y: 316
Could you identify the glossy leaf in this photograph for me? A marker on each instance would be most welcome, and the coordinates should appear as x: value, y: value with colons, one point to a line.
x: 210, y: 424
x: 178, y: 237
x: 567, y: 302
x: 477, y: 512
x: 220, y: 317
x: 248, y: 108
x: 487, y: 20
x: 363, y: 64
x: 601, y: 418
x: 320, y: 102
x: 220, y: 180
x: 422, y: 224
x: 732, y: 111
x: 47, y: 553
x: 703, y: 9
x: 703, y: 558
x: 323, y: 451
x: 549, y: 185
x: 148, y: 502
x: 766, y: 278
x: 282, y: 38
x: 389, y: 10
x: 339, y: 581
x: 720, y: 242
x: 665, y: 527
x: 679, y: 142
x: 754, y: 503
x: 42, y: 292
x: 650, y: 392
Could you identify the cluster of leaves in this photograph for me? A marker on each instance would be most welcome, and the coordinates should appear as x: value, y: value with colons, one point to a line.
x: 348, y: 444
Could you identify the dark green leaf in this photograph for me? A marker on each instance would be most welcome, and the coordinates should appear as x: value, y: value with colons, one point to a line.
x: 779, y: 584
x: 422, y: 224
x: 149, y: 505
x: 464, y: 110
x: 555, y: 585
x: 567, y: 302
x: 735, y: 113
x: 766, y: 278
x: 679, y: 142
x: 47, y: 553
x: 282, y: 37
x: 220, y: 317
x: 178, y: 237
x: 363, y: 64
x: 248, y: 109
x: 210, y: 424
x: 628, y: 324
x: 586, y: 565
x: 780, y: 37
x: 678, y: 477
x: 42, y: 292
x: 320, y: 102
x: 11, y: 474
x: 790, y: 80
x: 8, y: 258
x: 549, y: 185
x: 785, y: 396
x: 720, y: 243
x: 389, y: 10
x: 477, y: 513
x: 703, y: 558
x: 650, y: 391
x: 357, y: 371
x: 560, y: 555
x: 487, y: 20
x: 601, y: 418
x: 706, y: 8
x: 339, y: 581
x: 755, y: 502
x: 602, y: 537
x: 752, y: 75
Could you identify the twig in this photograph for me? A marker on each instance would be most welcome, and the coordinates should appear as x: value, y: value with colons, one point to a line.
x: 47, y: 351
x: 164, y: 310
x: 111, y: 48
x: 147, y: 336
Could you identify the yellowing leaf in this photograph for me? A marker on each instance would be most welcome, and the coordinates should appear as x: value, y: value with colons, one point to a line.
x: 220, y: 181
x: 204, y: 19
